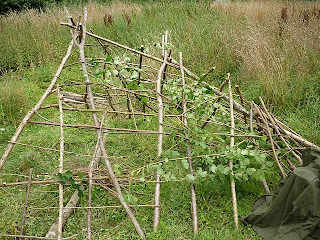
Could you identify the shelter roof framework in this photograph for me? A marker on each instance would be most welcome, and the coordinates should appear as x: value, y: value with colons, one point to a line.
x: 142, y: 95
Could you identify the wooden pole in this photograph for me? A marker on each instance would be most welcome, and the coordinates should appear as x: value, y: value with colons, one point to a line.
x: 26, y: 204
x: 278, y: 131
x: 91, y: 169
x: 233, y: 184
x: 189, y: 153
x: 271, y: 142
x: 60, y: 97
x: 156, y: 217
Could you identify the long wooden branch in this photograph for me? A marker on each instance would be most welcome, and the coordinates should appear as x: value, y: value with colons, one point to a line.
x: 156, y: 217
x: 278, y: 131
x: 26, y: 204
x: 60, y: 97
x: 36, y: 108
x: 271, y: 142
x: 194, y: 213
x: 232, y: 181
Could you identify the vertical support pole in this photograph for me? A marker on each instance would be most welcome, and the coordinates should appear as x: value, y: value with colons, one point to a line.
x: 156, y: 217
x: 60, y: 164
x: 194, y: 214
x: 232, y: 181
x: 26, y: 204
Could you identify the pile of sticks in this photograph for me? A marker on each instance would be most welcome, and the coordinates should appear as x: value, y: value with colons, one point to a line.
x: 100, y: 98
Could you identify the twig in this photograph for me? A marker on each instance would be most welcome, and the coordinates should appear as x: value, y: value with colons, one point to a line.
x: 271, y: 142
x: 214, y: 108
x: 26, y: 204
x: 277, y: 130
x: 242, y: 101
x: 35, y: 237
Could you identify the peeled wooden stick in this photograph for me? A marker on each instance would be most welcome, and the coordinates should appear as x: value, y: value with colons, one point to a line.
x: 233, y: 184
x: 241, y: 100
x: 60, y: 97
x: 271, y: 142
x: 263, y: 182
x: 156, y: 217
x: 26, y: 204
x: 278, y: 132
x: 185, y: 120
x: 91, y: 168
x: 36, y: 108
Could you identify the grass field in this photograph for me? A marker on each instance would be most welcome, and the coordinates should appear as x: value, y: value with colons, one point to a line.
x: 271, y: 50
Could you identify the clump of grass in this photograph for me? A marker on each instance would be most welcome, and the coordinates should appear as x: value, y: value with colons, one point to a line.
x: 13, y: 102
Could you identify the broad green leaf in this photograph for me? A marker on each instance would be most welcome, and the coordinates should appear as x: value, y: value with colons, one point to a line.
x: 80, y: 175
x: 213, y: 168
x: 185, y: 163
x: 135, y: 75
x: 68, y: 174
x: 190, y: 178
x: 108, y: 58
x: 115, y: 72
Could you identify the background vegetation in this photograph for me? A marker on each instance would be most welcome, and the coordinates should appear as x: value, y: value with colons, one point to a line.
x: 271, y: 50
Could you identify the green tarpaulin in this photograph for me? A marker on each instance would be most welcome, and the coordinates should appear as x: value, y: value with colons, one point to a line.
x: 293, y: 211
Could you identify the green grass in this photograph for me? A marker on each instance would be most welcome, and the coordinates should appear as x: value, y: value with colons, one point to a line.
x: 284, y: 70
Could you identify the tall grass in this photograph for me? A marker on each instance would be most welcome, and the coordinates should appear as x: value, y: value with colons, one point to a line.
x: 13, y: 102
x: 271, y: 48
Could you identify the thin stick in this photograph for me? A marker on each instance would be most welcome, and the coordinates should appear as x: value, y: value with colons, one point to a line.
x: 36, y: 108
x: 26, y: 204
x: 277, y: 130
x: 263, y: 182
x: 242, y: 101
x: 60, y: 97
x: 233, y: 184
x: 98, y: 207
x: 156, y: 217
x: 189, y: 153
x: 140, y: 63
x: 214, y: 108
x: 84, y: 126
x: 35, y: 237
x: 271, y: 142
x: 91, y: 169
